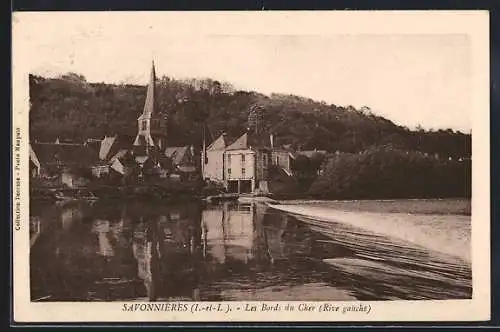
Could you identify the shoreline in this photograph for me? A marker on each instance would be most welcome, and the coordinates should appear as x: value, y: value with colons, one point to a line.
x: 440, y: 206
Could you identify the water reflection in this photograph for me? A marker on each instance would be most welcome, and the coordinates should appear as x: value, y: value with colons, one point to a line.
x: 114, y: 250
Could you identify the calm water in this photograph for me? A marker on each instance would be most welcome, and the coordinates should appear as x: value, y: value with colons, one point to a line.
x: 115, y: 251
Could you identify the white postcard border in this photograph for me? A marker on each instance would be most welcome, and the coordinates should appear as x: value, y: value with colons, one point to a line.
x: 475, y: 24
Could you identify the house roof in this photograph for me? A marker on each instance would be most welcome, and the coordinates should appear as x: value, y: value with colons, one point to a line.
x: 164, y: 162
x: 64, y: 153
x: 118, y: 166
x: 240, y: 143
x: 34, y: 158
x: 218, y: 144
x: 247, y: 141
x: 106, y: 145
x: 125, y: 158
x: 110, y: 144
x: 120, y: 154
x: 176, y: 153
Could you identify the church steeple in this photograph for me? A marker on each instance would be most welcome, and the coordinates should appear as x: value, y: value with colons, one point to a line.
x: 151, y: 125
x: 150, y: 104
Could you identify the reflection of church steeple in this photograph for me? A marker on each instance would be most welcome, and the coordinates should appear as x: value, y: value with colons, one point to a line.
x: 102, y: 228
x: 152, y: 128
x: 147, y: 253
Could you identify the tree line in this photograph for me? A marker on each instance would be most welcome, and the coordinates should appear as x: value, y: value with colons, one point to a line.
x: 69, y: 106
x: 368, y: 156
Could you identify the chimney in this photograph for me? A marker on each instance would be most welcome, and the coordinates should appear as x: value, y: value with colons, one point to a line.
x: 271, y: 139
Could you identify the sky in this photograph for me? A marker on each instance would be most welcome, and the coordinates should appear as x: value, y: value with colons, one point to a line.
x: 411, y: 79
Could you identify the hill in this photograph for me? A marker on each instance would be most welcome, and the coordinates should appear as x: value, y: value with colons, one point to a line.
x: 71, y: 107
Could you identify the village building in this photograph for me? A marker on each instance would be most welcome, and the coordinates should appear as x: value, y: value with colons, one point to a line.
x: 243, y: 166
x: 282, y: 157
x: 123, y: 163
x: 182, y: 158
x: 212, y: 163
x: 110, y: 147
x: 63, y: 164
x: 246, y: 165
x: 34, y: 164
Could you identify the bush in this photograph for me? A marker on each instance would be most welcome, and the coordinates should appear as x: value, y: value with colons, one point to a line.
x: 385, y: 172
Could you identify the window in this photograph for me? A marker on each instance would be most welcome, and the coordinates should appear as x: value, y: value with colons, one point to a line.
x: 277, y: 160
x: 229, y: 171
x: 264, y: 160
x: 229, y: 158
x: 242, y: 158
x: 243, y: 172
x: 144, y: 125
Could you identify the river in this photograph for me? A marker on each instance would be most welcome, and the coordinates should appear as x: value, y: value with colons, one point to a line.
x: 139, y: 251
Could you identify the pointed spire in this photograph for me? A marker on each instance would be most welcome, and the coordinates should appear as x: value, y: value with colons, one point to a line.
x: 150, y: 104
x: 153, y: 71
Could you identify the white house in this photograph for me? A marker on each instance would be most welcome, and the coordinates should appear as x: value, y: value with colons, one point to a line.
x: 212, y: 162
x: 246, y: 164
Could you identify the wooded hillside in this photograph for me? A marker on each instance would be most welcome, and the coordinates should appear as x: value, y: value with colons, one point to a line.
x: 71, y: 107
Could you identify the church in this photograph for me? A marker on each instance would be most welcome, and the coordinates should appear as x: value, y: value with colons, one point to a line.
x: 148, y: 154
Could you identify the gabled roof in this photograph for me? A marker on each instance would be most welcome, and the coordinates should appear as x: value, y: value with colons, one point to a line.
x: 65, y: 154
x: 218, y: 144
x: 240, y: 143
x: 106, y: 145
x: 34, y: 158
x: 120, y: 154
x: 247, y: 141
x: 176, y: 153
x: 112, y: 144
x: 164, y: 162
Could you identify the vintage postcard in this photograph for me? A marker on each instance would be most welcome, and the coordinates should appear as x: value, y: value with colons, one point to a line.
x: 250, y: 166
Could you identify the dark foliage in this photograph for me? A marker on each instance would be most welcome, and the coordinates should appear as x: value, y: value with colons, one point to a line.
x: 370, y: 156
x: 70, y: 107
x: 387, y: 172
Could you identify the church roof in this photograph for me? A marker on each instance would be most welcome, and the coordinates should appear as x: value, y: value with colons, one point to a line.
x: 150, y: 103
